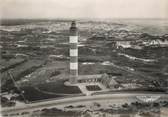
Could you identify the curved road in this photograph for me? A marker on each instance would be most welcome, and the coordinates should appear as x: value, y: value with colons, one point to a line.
x: 52, y: 103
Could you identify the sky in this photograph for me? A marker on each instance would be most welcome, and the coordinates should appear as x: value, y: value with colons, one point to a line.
x: 83, y: 9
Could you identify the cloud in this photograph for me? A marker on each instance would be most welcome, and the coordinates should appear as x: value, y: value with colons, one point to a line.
x: 84, y: 8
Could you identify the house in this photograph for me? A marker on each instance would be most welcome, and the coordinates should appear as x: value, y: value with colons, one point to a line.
x: 109, y: 82
x: 124, y: 44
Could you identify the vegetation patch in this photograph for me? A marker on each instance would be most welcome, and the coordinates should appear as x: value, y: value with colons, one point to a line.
x: 49, y: 90
x: 93, y: 88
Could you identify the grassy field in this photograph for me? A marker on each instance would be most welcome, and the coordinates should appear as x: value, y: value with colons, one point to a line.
x: 19, y: 72
x: 49, y: 90
x: 8, y: 64
x: 59, y: 87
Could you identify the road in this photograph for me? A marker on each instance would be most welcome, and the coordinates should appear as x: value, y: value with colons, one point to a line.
x: 65, y: 101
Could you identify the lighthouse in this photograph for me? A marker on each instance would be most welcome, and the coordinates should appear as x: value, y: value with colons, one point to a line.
x: 73, y: 40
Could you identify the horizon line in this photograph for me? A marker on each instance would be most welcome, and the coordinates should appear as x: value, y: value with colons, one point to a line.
x: 84, y: 18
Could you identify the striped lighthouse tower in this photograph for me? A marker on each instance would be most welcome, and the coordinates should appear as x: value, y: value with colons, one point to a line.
x: 73, y: 40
